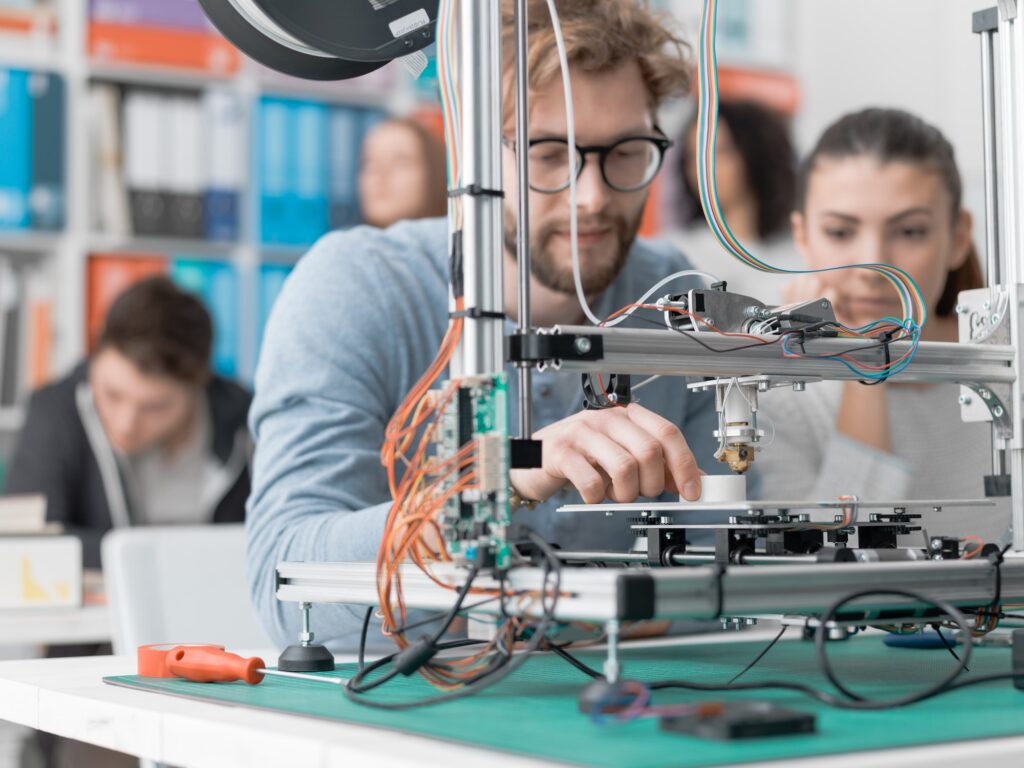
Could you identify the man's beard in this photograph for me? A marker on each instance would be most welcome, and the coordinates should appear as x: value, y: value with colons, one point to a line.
x: 595, y: 275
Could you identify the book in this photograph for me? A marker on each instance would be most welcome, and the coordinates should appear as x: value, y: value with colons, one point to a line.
x: 162, y: 46
x: 109, y: 205
x: 216, y: 283
x: 23, y: 513
x: 348, y: 126
x: 178, y: 14
x: 223, y: 163
x: 308, y: 218
x: 46, y: 193
x: 16, y: 141
x: 147, y: 160
x: 271, y: 279
x: 40, y: 572
x: 185, y: 172
x: 273, y: 155
x: 107, y: 275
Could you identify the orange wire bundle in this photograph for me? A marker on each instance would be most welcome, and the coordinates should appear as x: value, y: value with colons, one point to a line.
x: 420, y: 485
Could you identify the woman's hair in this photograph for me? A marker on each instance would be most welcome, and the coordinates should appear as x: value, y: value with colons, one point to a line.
x: 893, y: 135
x: 769, y: 161
x: 435, y: 194
x: 162, y: 330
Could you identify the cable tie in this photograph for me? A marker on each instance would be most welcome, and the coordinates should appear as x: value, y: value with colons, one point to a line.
x: 475, y: 313
x: 475, y: 190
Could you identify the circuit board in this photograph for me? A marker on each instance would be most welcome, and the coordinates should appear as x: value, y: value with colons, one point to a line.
x: 474, y: 426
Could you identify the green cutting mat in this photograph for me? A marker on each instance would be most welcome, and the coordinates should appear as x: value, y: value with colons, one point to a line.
x: 533, y: 711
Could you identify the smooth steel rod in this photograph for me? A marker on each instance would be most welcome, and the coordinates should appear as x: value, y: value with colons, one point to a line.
x: 523, y: 210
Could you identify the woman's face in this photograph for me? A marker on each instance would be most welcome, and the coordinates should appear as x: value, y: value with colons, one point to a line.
x: 861, y: 211
x: 392, y: 175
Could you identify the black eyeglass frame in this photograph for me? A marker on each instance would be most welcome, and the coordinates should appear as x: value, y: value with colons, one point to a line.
x: 662, y: 142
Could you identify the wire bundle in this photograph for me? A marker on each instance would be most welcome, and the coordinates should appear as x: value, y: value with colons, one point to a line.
x: 915, y: 311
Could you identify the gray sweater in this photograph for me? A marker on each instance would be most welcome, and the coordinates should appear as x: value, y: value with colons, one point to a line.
x: 357, y: 322
x: 934, y: 455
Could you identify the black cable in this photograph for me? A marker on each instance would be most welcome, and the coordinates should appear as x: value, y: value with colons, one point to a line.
x: 708, y: 347
x: 853, y: 700
x: 564, y: 654
x: 357, y: 682
x: 945, y: 642
x: 507, y: 665
x: 362, y: 637
x: 948, y: 609
x: 441, y: 614
x: 759, y: 656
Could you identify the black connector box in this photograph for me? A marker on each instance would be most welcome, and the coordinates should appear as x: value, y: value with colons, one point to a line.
x: 730, y: 720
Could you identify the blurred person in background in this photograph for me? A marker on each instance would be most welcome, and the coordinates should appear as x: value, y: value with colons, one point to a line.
x: 401, y: 173
x: 755, y: 170
x: 142, y: 433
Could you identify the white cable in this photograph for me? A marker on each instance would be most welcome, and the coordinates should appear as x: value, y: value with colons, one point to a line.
x: 645, y: 382
x: 643, y: 299
x: 570, y: 129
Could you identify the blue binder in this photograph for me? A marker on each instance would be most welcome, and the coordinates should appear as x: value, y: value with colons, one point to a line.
x: 347, y: 131
x: 309, y: 205
x: 274, y: 166
x: 216, y: 283
x: 46, y: 197
x: 271, y: 279
x: 16, y: 141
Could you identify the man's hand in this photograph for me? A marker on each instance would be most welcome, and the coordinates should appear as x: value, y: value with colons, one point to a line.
x: 616, y: 453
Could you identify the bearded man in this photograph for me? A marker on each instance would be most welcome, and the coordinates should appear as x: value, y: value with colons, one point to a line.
x: 363, y: 314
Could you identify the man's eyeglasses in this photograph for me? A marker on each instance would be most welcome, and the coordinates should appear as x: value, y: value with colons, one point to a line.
x: 628, y: 165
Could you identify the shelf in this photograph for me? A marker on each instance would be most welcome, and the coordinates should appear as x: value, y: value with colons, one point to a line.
x: 28, y: 242
x: 16, y: 53
x: 168, y: 77
x: 287, y: 254
x: 105, y: 243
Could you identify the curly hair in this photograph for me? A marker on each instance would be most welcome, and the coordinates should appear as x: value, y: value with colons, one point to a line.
x: 599, y: 35
x: 762, y: 139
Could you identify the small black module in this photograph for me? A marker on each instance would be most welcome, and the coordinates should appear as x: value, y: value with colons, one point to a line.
x: 730, y: 720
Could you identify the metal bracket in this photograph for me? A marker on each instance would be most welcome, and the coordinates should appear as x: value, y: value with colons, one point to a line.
x: 552, y: 348
x: 984, y: 318
x: 1007, y: 9
x: 986, y: 20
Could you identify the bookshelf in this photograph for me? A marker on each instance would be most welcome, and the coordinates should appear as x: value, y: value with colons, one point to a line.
x: 94, y: 46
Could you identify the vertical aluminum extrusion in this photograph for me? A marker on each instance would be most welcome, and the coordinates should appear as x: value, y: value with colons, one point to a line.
x: 481, y: 349
x: 523, y: 211
x: 990, y: 147
x: 989, y: 144
x: 1011, y: 146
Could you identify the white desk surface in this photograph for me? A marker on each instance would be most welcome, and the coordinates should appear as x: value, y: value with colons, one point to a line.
x: 67, y: 697
x: 55, y: 626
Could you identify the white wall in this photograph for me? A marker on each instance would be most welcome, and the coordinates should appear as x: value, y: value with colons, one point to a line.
x: 919, y: 55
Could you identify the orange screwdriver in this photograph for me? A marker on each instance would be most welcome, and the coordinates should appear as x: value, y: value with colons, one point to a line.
x: 212, y: 664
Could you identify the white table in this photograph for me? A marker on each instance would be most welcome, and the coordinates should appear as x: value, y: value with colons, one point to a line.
x: 67, y: 697
x: 55, y: 626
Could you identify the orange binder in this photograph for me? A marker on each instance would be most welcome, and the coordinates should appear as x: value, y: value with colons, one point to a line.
x: 162, y: 46
x: 108, y: 275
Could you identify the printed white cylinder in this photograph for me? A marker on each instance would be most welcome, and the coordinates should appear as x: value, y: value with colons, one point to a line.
x: 720, y: 488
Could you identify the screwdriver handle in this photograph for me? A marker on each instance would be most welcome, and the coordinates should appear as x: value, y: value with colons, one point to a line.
x: 210, y: 665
